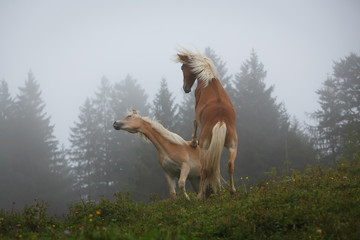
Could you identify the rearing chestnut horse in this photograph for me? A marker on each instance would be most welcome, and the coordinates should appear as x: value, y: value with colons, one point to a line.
x: 215, y: 115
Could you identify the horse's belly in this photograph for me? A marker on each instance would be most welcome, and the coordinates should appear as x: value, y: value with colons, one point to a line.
x: 194, y: 172
x: 171, y: 167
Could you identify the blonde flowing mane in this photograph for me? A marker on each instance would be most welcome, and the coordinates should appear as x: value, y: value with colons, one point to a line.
x: 170, y: 136
x: 200, y: 65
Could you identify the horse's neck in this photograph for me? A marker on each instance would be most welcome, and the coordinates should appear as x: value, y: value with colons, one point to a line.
x: 154, y: 136
x: 214, y: 87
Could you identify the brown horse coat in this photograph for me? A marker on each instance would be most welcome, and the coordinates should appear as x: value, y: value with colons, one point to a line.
x: 215, y: 115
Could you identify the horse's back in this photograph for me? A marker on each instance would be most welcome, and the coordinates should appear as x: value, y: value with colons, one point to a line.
x: 215, y: 110
x: 213, y: 103
x: 213, y: 106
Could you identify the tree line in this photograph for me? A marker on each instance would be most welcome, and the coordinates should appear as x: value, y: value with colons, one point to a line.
x: 101, y: 161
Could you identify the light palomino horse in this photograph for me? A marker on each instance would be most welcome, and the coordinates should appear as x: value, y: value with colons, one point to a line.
x: 176, y: 157
x: 215, y: 115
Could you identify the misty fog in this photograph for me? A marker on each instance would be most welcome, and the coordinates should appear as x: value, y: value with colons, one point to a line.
x: 75, y: 51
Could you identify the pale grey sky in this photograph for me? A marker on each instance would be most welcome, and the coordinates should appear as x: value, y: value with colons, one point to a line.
x: 70, y: 45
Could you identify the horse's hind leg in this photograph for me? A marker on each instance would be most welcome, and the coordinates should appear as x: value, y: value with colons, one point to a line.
x: 172, y: 185
x: 232, y: 156
x: 185, y: 169
x: 202, y: 186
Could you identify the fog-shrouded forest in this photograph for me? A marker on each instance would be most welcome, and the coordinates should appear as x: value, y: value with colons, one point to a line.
x: 100, y: 161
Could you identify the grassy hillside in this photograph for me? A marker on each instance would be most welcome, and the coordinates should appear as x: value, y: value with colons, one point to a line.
x: 317, y: 204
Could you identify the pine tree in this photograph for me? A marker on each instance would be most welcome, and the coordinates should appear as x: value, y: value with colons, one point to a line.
x: 7, y: 141
x: 329, y: 116
x: 83, y: 147
x: 104, y: 165
x: 7, y: 125
x: 60, y: 165
x: 261, y: 122
x: 103, y: 158
x: 338, y: 130
x: 37, y: 133
x: 32, y: 149
x: 6, y: 102
x: 164, y: 108
x: 128, y: 150
x: 127, y: 95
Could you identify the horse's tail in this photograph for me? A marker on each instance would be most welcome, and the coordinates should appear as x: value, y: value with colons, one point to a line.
x: 212, y: 158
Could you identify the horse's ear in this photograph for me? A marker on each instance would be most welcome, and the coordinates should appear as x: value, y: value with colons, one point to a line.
x: 183, y: 58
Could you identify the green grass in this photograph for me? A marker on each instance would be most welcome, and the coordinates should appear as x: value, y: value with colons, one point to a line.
x: 317, y: 204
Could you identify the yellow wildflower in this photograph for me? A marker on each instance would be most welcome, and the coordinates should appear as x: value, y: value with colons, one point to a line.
x: 98, y: 212
x: 90, y: 215
x: 90, y: 220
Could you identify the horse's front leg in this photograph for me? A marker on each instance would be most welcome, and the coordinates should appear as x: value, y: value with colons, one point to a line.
x: 185, y: 169
x: 194, y: 142
x: 172, y: 185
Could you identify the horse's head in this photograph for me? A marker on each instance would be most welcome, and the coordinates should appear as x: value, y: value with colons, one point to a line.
x: 195, y: 66
x: 189, y: 76
x: 130, y: 123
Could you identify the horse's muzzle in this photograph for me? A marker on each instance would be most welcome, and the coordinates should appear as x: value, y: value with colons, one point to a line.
x: 118, y: 125
x: 186, y: 90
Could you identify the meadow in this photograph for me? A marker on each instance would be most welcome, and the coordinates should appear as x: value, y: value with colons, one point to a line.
x: 319, y: 203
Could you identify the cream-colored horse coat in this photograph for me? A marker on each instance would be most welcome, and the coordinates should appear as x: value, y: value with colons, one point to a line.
x: 177, y: 158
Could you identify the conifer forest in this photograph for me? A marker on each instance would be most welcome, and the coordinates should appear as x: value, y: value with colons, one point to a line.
x: 99, y: 161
